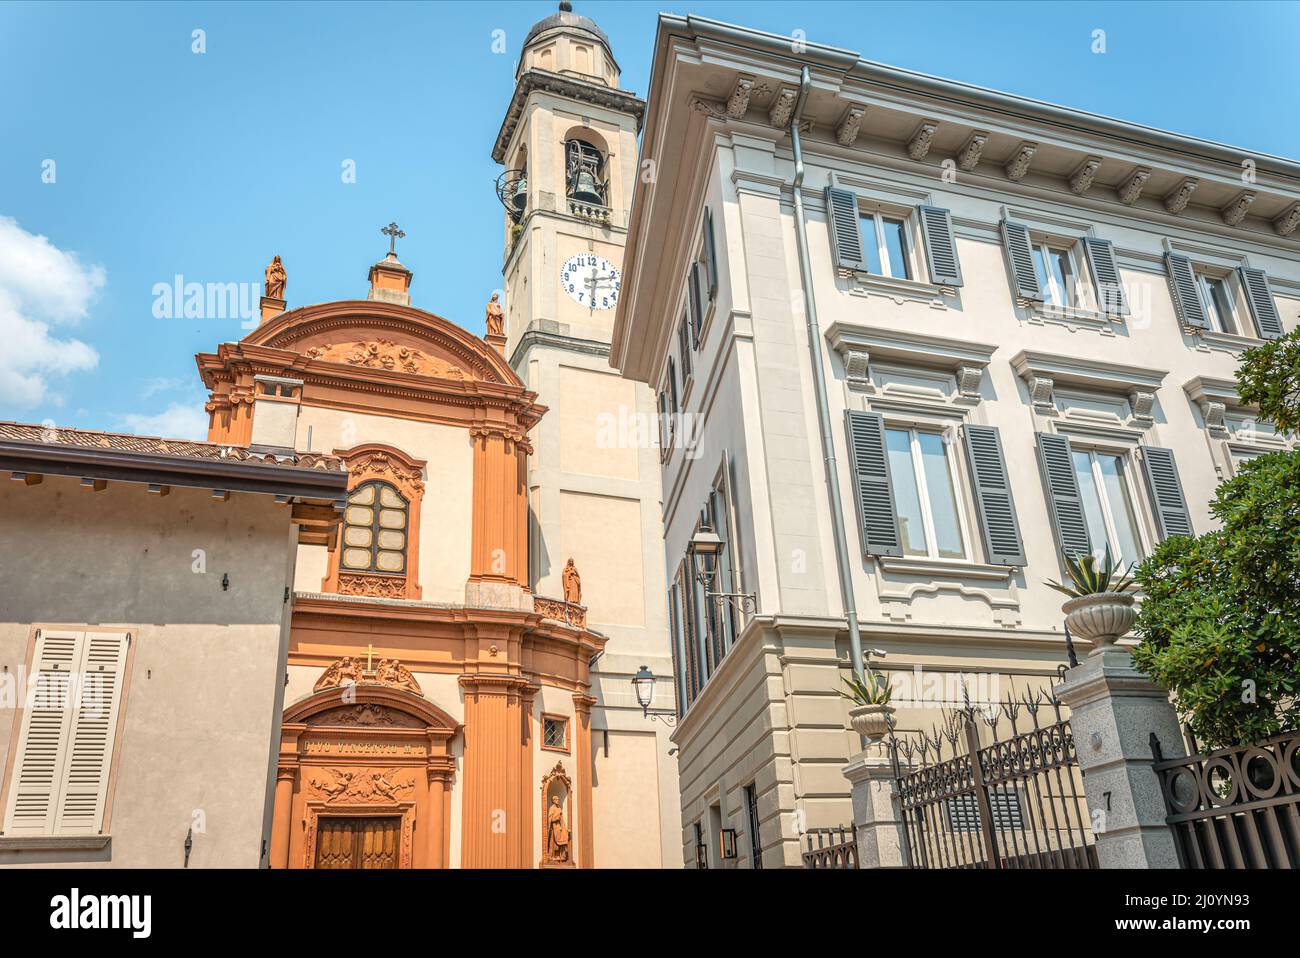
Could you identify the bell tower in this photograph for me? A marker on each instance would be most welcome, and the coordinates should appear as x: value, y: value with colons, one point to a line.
x: 568, y: 145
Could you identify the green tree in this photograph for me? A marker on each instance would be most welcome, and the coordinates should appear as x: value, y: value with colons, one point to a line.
x: 1220, y: 621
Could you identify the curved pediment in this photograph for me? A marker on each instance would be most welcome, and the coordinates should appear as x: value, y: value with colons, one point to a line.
x: 385, y: 336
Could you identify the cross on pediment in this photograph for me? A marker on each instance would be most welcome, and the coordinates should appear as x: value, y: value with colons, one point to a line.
x: 393, y: 234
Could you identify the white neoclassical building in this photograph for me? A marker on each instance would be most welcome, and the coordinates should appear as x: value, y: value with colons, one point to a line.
x: 1024, y: 322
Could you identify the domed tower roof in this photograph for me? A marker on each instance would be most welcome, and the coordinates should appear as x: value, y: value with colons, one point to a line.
x: 573, y: 31
x: 565, y: 17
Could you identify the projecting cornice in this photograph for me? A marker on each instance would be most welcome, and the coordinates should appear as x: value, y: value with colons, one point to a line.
x: 546, y: 82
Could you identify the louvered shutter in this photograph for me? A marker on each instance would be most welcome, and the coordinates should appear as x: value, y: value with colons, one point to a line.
x: 940, y: 246
x: 684, y: 347
x: 846, y: 236
x: 696, y: 305
x: 1167, y: 500
x: 710, y: 253
x: 993, y: 500
x: 94, y: 730
x: 1105, y: 275
x: 1056, y: 461
x: 1262, y: 307
x: 1182, y: 287
x: 1020, y: 260
x: 871, y: 484
x: 43, y: 737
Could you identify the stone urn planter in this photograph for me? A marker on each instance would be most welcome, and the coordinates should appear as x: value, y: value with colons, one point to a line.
x: 1101, y: 618
x: 871, y: 721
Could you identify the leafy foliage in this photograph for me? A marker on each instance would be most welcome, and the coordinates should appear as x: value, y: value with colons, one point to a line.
x: 1091, y: 579
x: 873, y: 688
x: 1220, y: 621
x: 1269, y: 377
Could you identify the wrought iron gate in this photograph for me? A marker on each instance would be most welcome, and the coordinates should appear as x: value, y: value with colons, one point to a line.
x: 1016, y: 803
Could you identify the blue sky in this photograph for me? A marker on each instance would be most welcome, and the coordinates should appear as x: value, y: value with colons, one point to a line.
x: 170, y: 162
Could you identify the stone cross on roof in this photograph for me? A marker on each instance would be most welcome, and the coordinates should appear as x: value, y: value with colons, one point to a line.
x: 393, y: 234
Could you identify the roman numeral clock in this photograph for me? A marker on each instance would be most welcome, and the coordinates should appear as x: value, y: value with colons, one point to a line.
x: 591, y: 281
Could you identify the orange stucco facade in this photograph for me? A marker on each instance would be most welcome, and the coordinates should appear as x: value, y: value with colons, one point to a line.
x: 421, y: 725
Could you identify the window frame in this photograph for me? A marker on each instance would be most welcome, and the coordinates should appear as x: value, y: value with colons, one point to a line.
x: 541, y: 738
x: 375, y: 528
x: 1214, y: 315
x: 1045, y: 246
x: 877, y: 215
x: 955, y: 476
x: 1135, y: 497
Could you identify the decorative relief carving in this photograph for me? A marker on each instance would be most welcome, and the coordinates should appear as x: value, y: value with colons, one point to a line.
x: 968, y: 381
x: 349, y: 670
x: 1142, y: 403
x: 372, y: 586
x: 362, y: 787
x: 366, y: 715
x: 969, y: 156
x: 380, y: 465
x: 857, y: 367
x: 1081, y: 178
x: 919, y: 145
x: 1286, y: 223
x: 1235, y: 211
x: 846, y: 134
x: 1213, y: 412
x: 561, y: 611
x: 1132, y: 188
x: 736, y: 106
x: 1040, y: 392
x: 385, y: 354
x: 782, y: 108
x: 1018, y: 165
x: 1177, y: 201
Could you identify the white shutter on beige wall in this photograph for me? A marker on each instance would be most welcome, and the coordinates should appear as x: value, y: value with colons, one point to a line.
x: 94, y: 728
x: 65, y: 743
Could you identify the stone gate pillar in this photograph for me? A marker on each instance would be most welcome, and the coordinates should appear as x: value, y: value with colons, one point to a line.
x: 877, y: 816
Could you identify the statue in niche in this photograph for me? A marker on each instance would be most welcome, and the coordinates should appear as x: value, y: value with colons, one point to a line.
x: 572, y: 584
x: 496, y: 317
x: 276, y: 279
x: 557, y: 832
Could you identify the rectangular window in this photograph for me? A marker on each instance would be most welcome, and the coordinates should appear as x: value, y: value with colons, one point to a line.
x: 1108, y: 503
x: 555, y: 733
x: 1057, y: 277
x: 925, y: 498
x: 884, y: 241
x: 64, y: 748
x: 1217, y: 297
x: 751, y: 810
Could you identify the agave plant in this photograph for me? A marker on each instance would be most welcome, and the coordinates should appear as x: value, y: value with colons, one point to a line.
x: 1089, y: 578
x: 872, y: 688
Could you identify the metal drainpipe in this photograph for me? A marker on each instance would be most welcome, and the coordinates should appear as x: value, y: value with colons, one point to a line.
x: 819, y: 386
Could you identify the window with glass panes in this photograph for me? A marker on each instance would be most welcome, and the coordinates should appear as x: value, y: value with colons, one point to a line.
x: 1218, y: 298
x: 923, y: 477
x: 885, y: 245
x: 1106, y: 491
x: 1057, y: 277
x: 374, y: 530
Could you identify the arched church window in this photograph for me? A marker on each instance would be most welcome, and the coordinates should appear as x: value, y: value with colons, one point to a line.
x: 584, y: 169
x: 375, y: 529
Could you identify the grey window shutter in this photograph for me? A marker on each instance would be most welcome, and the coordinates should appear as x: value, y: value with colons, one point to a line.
x: 672, y: 385
x: 1167, y: 500
x: 684, y: 346
x: 1020, y: 260
x: 846, y: 237
x: 1105, y: 274
x: 710, y: 253
x: 696, y: 306
x: 1057, y: 464
x: 1260, y: 297
x: 940, y: 246
x: 993, y: 500
x: 871, y: 484
x: 1182, y: 286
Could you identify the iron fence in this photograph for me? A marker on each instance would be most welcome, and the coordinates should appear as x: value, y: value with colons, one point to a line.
x: 836, y: 848
x: 1234, y: 807
x: 1015, y: 803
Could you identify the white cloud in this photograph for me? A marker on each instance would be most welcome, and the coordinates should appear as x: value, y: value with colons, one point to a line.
x: 177, y: 421
x: 40, y: 285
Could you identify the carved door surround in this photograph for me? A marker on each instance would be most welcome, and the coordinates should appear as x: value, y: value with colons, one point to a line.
x: 370, y: 749
x: 366, y: 463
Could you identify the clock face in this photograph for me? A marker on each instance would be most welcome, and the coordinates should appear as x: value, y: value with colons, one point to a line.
x: 591, y: 281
